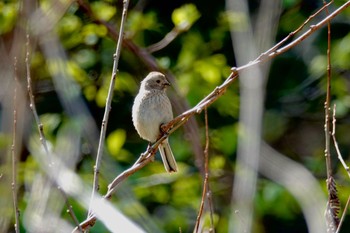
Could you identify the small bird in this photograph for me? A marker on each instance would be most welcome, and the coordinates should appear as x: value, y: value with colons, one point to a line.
x: 152, y: 109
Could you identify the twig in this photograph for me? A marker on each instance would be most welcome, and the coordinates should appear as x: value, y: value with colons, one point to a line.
x: 178, y: 121
x: 327, y: 105
x: 206, y: 188
x: 268, y: 55
x: 41, y: 128
x: 32, y: 101
x: 200, y: 212
x: 333, y: 203
x: 70, y: 209
x: 340, y: 157
x: 206, y: 168
x: 108, y: 105
x: 290, y: 35
x: 343, y: 216
x: 165, y: 41
x: 13, y: 152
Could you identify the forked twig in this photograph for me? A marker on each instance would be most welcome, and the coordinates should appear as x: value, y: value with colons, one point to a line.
x: 290, y: 35
x: 340, y: 157
x: 333, y: 203
x: 271, y: 53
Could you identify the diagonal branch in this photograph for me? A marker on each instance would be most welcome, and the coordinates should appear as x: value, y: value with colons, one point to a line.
x: 343, y: 216
x: 271, y: 53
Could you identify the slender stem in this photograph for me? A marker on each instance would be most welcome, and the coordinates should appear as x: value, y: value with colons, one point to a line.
x: 116, y: 57
x: 13, y: 153
x: 340, y: 157
x: 32, y: 101
x: 290, y: 35
x: 70, y: 209
x: 344, y: 214
x: 328, y: 102
x: 165, y: 41
x: 313, y: 28
x: 40, y: 125
x: 206, y: 175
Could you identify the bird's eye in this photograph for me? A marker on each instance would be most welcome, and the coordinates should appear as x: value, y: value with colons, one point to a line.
x: 158, y: 81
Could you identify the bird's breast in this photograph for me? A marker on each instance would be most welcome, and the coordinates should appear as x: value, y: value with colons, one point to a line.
x: 150, y: 110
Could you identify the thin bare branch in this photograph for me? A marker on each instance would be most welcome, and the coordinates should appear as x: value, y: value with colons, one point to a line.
x: 327, y: 104
x: 340, y: 157
x: 13, y: 152
x: 32, y: 101
x: 70, y: 210
x: 290, y: 35
x: 273, y: 53
x: 41, y: 127
x: 206, y: 169
x: 108, y: 105
x: 165, y: 41
x: 333, y: 203
x: 344, y: 214
x: 200, y: 212
x: 206, y: 189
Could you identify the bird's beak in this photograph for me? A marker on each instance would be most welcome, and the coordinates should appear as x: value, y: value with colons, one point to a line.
x: 167, y: 83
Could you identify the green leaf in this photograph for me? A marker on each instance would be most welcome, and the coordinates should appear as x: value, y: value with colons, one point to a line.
x: 185, y: 16
x: 211, y: 68
x: 8, y: 16
x: 115, y: 141
x: 103, y: 11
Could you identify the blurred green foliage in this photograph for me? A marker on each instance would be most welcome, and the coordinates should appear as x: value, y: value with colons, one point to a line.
x: 200, y: 58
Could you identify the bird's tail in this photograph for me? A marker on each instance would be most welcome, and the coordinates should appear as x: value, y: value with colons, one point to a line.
x: 167, y: 157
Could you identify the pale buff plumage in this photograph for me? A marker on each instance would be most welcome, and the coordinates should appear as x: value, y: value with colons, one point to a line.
x: 151, y: 109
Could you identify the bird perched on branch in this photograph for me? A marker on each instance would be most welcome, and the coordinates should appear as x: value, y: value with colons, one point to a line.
x: 152, y: 109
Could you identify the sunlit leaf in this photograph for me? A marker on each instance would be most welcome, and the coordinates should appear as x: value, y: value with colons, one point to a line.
x: 103, y: 11
x: 139, y: 21
x: 185, y: 16
x: 90, y: 92
x: 75, y: 71
x: 115, y: 141
x: 125, y: 82
x: 92, y: 32
x: 86, y: 58
x: 8, y: 16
